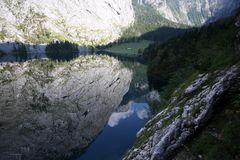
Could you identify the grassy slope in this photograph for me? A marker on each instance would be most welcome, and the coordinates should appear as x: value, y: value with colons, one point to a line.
x: 181, y: 59
x: 220, y: 138
x: 207, y: 49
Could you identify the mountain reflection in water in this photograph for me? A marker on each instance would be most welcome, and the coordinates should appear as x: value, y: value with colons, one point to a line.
x: 120, y: 133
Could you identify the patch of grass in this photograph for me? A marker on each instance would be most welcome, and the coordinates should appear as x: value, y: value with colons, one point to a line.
x: 150, y: 129
x: 131, y: 48
x: 175, y: 89
x: 143, y: 137
x: 43, y: 36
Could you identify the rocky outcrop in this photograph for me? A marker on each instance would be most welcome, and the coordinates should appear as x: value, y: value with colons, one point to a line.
x: 194, y: 12
x: 48, y: 109
x: 190, y: 108
x: 86, y: 22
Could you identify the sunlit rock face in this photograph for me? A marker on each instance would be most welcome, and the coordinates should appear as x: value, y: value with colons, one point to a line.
x: 49, y: 110
x: 83, y: 21
x: 194, y: 12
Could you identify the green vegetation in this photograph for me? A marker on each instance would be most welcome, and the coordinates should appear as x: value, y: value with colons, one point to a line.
x: 131, y: 48
x: 220, y: 139
x: 147, y: 19
x: 44, y: 36
x: 38, y: 34
x: 206, y: 49
x: 62, y: 51
x: 174, y: 65
x: 164, y: 33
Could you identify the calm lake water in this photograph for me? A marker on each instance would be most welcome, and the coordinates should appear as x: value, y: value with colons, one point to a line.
x: 119, y: 134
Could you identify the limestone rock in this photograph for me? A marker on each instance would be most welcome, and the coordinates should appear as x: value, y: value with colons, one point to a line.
x: 170, y: 128
x: 82, y: 21
x: 194, y: 12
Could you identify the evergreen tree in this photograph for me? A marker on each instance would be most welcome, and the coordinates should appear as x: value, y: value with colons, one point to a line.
x: 62, y: 50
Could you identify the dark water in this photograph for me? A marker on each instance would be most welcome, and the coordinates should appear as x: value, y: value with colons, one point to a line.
x: 119, y: 134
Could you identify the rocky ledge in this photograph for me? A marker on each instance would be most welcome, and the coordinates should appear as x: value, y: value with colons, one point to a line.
x: 190, y: 108
x: 49, y: 110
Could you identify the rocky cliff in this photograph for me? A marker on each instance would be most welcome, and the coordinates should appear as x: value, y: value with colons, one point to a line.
x: 83, y: 21
x: 189, y: 103
x: 49, y: 109
x: 194, y: 12
x: 190, y: 108
x: 98, y: 22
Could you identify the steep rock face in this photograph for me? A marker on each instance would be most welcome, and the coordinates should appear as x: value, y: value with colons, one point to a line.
x: 194, y: 12
x: 189, y: 109
x: 83, y: 21
x: 49, y: 110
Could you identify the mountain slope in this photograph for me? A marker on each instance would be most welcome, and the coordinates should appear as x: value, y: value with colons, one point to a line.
x: 196, y: 74
x: 91, y: 22
x: 82, y: 21
x: 162, y: 19
x: 194, y: 12
x: 147, y: 19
